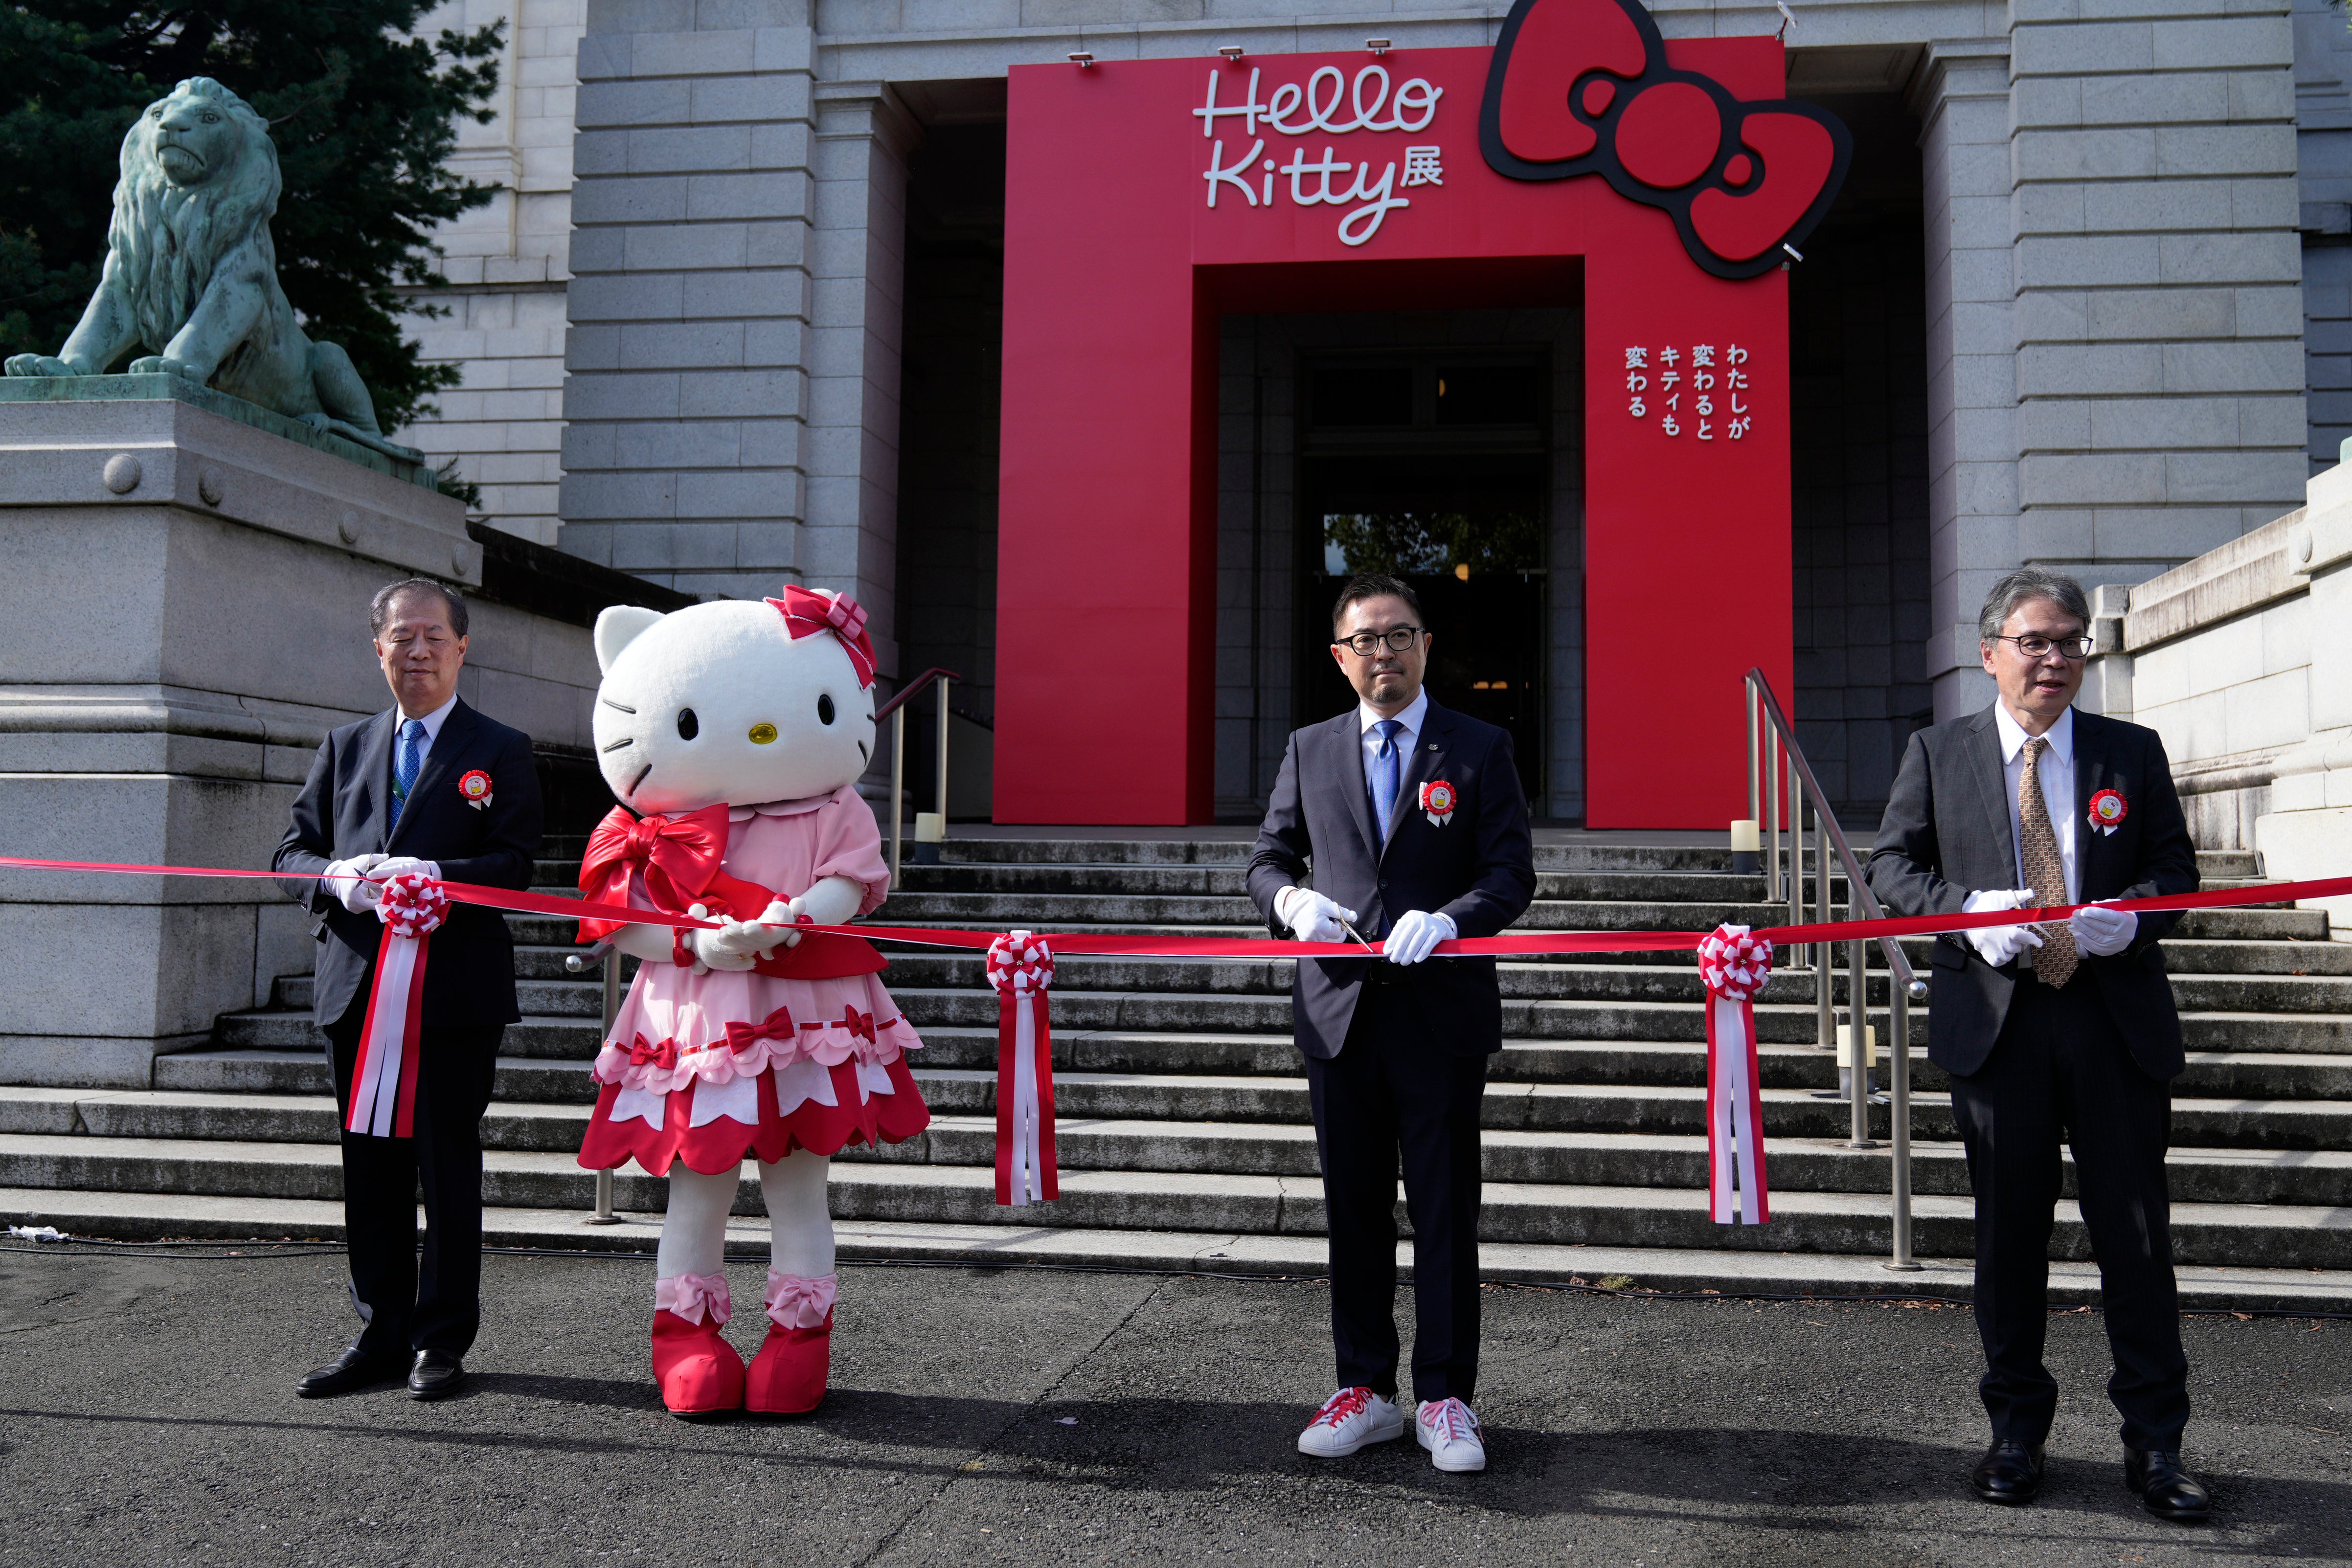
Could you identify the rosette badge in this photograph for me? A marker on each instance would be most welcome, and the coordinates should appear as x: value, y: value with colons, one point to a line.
x: 2109, y: 810
x: 474, y: 789
x: 1437, y: 801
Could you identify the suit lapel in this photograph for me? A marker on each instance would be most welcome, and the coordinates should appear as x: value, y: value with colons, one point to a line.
x: 454, y: 731
x: 1992, y: 788
x: 2090, y: 764
x: 376, y: 784
x: 1347, y: 736
x: 1429, y: 751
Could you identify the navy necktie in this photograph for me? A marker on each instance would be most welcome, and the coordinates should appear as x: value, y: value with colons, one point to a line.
x: 405, y: 767
x: 1385, y: 774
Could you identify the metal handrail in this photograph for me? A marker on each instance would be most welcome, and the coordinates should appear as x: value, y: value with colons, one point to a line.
x: 1770, y: 735
x: 607, y: 953
x: 895, y: 710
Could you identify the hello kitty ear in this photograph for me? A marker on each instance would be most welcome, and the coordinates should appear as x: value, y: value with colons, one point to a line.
x: 617, y: 626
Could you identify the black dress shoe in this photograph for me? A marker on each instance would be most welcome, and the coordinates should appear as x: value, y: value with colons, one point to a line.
x: 353, y: 1370
x: 437, y: 1373
x: 2164, y: 1488
x: 2009, y: 1472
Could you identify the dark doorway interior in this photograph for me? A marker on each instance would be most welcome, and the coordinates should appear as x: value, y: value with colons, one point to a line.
x: 1433, y: 468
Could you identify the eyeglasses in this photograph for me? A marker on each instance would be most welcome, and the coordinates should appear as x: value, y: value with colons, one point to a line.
x: 1364, y: 644
x: 2038, y: 647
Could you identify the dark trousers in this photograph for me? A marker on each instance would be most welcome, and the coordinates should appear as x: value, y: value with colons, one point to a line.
x: 2060, y: 1070
x: 1381, y: 1097
x: 438, y: 1307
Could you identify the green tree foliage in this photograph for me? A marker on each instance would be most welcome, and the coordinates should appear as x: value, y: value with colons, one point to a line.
x: 1408, y: 544
x: 364, y: 115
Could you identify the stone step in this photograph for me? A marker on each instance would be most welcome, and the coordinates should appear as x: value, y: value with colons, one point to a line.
x: 1817, y: 1161
x: 162, y: 1216
x: 2237, y: 1235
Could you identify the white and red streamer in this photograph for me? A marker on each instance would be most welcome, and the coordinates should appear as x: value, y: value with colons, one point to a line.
x: 383, y: 1076
x: 1020, y: 968
x: 1735, y: 963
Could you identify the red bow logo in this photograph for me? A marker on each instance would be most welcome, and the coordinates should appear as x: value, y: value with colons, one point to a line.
x: 808, y: 613
x: 664, y: 1056
x: 860, y: 1024
x: 1582, y: 87
x: 741, y: 1036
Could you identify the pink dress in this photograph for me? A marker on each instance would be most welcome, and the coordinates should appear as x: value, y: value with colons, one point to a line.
x: 709, y: 1068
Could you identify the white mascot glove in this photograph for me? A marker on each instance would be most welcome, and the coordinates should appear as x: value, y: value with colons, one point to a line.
x: 1311, y: 916
x: 726, y: 948
x: 835, y: 901
x: 1415, y: 934
x: 397, y: 864
x: 347, y: 880
x: 1999, y: 944
x: 2102, y: 933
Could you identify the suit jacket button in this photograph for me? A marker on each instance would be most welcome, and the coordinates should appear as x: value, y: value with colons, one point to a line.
x: 1384, y: 882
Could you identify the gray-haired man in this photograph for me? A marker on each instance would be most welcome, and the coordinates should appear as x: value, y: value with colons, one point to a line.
x: 2063, y: 1033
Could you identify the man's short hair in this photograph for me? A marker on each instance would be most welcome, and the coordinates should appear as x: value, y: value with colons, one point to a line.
x: 2024, y: 584
x: 380, y: 606
x: 1373, y: 585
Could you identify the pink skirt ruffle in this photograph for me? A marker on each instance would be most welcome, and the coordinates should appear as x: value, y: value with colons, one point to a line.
x: 860, y: 1113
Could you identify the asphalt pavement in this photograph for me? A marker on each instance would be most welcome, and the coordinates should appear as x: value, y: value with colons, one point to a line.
x: 147, y: 1416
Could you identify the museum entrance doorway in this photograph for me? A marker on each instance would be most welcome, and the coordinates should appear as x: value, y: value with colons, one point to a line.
x: 1433, y: 468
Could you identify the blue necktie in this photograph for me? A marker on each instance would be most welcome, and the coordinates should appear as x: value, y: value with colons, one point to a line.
x: 405, y: 765
x: 1385, y: 774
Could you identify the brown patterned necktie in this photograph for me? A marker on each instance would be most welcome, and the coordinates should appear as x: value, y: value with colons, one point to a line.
x: 2055, y: 959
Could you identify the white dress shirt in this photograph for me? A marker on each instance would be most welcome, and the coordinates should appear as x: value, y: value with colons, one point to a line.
x: 2056, y: 770
x: 1415, y: 715
x: 432, y: 721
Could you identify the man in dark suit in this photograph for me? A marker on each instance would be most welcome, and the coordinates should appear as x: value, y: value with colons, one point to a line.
x: 2058, y: 1032
x: 1415, y: 822
x: 385, y: 796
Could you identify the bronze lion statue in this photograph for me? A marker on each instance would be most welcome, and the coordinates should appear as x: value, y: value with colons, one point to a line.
x: 191, y: 272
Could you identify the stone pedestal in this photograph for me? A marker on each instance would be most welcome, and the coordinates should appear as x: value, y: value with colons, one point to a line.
x: 184, y: 591
x: 2308, y: 830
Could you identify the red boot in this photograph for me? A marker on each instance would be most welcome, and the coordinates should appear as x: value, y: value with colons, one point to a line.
x: 699, y: 1374
x: 788, y: 1375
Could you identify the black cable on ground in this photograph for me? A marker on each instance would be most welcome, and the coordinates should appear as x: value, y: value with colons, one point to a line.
x: 251, y: 1250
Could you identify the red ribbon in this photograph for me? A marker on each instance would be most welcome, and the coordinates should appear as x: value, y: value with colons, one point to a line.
x: 859, y: 1024
x: 664, y: 1055
x: 808, y: 613
x: 383, y: 1068
x: 1020, y: 968
x: 677, y: 855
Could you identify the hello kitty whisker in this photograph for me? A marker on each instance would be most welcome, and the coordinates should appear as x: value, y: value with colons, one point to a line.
x: 624, y: 708
x: 615, y: 746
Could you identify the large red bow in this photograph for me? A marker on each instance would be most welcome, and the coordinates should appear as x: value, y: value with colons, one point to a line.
x: 1582, y: 87
x: 679, y: 856
x: 741, y: 1037
x: 808, y: 613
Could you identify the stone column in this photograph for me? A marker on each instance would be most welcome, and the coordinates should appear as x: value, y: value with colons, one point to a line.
x: 685, y: 456
x: 858, y: 274
x: 1961, y: 98
x: 2307, y: 832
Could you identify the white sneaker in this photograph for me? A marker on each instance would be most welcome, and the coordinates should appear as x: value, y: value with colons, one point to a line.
x: 1451, y: 1433
x: 1350, y: 1419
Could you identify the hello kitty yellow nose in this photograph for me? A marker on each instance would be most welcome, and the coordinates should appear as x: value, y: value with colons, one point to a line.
x: 762, y: 733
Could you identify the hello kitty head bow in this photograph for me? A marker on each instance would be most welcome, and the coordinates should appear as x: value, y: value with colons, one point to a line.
x: 808, y: 611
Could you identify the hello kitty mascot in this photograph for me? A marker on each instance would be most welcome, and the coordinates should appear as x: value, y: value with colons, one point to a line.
x: 735, y: 732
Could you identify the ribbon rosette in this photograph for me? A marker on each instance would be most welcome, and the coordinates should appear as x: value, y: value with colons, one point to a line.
x: 2109, y: 810
x: 1734, y: 964
x: 1437, y: 798
x: 383, y: 1074
x: 474, y: 789
x: 808, y: 611
x: 1020, y: 968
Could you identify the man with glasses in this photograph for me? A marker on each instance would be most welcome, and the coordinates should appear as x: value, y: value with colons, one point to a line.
x: 1414, y: 822
x: 2058, y: 1032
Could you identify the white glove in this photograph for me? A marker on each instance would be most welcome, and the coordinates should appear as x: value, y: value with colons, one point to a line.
x: 1311, y: 916
x: 1416, y: 932
x: 721, y: 949
x: 1999, y: 944
x: 397, y: 864
x: 347, y: 880
x: 2102, y: 933
x: 835, y: 901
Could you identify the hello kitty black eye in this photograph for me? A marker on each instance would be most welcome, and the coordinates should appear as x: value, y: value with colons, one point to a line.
x: 688, y: 724
x: 824, y: 708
